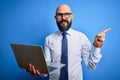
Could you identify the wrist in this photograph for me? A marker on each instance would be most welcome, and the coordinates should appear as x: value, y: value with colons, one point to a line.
x: 97, y: 44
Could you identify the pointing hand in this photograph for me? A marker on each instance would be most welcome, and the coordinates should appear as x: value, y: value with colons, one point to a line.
x: 99, y: 38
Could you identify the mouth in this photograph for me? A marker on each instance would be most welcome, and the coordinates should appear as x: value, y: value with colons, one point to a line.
x: 63, y: 23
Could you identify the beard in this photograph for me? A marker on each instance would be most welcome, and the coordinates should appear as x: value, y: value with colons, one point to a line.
x: 64, y: 28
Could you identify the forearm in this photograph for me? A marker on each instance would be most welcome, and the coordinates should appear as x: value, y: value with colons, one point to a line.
x: 94, y: 58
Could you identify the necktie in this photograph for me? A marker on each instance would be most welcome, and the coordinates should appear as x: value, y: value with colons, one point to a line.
x: 64, y: 58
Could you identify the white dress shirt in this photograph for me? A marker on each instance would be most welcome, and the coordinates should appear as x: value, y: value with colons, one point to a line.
x: 79, y: 47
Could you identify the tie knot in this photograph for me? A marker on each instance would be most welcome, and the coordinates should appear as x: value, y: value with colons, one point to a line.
x: 64, y: 34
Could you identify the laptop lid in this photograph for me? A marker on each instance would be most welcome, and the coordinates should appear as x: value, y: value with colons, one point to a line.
x: 33, y: 54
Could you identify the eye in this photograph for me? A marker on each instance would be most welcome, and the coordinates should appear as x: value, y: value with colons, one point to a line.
x: 59, y: 14
x: 68, y: 13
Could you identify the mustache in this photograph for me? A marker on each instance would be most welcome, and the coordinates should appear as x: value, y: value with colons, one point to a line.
x: 63, y: 20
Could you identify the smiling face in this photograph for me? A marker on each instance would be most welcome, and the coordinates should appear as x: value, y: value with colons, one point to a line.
x: 63, y: 17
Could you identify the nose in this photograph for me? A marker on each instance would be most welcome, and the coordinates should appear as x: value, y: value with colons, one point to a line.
x: 63, y: 16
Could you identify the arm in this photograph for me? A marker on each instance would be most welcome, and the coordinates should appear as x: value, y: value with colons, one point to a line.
x: 47, y: 50
x: 93, y: 57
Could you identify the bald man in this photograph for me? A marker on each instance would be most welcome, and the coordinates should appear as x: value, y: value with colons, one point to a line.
x: 78, y: 48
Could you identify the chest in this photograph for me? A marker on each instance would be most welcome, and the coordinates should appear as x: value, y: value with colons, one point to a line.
x: 74, y: 47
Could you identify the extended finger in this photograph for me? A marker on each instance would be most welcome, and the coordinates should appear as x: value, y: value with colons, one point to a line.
x: 101, y: 34
x: 106, y: 30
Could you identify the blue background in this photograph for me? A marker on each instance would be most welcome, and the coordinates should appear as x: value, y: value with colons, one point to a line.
x: 30, y: 21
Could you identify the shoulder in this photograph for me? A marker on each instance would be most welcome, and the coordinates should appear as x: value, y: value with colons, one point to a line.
x: 53, y: 35
x: 81, y: 36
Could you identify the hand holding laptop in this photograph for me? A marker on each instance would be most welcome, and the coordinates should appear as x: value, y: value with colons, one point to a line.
x: 33, y: 70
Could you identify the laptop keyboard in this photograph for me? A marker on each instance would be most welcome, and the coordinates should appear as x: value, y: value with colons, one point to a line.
x: 51, y: 68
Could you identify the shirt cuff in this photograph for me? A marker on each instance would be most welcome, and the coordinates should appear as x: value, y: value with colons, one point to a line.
x: 96, y: 55
x: 97, y: 51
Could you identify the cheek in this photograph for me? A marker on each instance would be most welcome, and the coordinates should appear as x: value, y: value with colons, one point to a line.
x: 69, y: 20
x: 58, y: 20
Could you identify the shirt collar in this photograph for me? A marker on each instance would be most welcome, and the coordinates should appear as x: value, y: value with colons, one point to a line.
x: 68, y: 32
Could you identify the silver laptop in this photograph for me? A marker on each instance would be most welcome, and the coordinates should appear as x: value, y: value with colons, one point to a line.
x: 33, y: 54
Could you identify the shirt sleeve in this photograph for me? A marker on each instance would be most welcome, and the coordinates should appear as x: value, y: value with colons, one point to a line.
x: 47, y: 50
x: 91, y: 57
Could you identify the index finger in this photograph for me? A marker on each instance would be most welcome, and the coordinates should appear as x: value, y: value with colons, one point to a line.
x: 106, y: 30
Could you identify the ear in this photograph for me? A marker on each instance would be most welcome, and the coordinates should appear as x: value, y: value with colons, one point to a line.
x: 55, y: 16
x: 72, y: 16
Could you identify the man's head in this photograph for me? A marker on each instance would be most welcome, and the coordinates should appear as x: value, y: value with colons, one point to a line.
x: 64, y: 17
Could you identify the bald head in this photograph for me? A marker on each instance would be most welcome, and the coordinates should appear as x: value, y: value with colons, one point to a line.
x: 63, y: 8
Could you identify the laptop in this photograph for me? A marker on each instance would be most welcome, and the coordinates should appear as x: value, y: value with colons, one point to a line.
x: 25, y: 54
